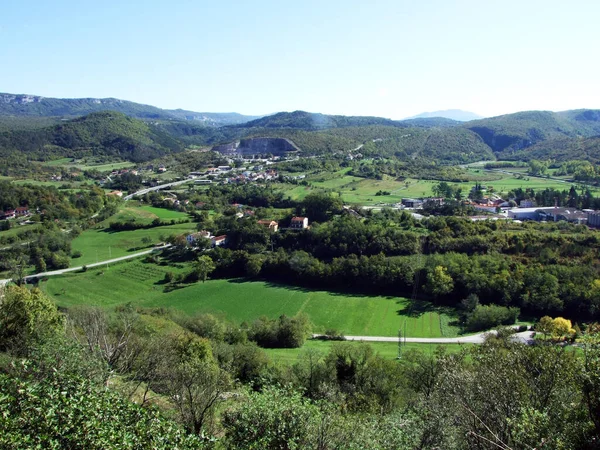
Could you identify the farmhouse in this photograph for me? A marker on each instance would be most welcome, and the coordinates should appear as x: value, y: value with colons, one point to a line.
x: 22, y: 211
x: 270, y: 224
x: 192, y: 238
x: 299, y: 223
x: 217, y: 241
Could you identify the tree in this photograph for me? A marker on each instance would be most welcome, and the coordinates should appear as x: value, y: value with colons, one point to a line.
x: 320, y: 206
x: 561, y: 328
x: 26, y: 317
x: 544, y: 326
x: 17, y: 269
x: 439, y: 282
x: 193, y: 380
x: 203, y: 267
x: 103, y: 335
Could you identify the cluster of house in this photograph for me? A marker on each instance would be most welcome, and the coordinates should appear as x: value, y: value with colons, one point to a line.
x: 21, y: 211
x: 115, y: 173
x: 258, y: 173
x: 297, y: 223
x: 526, y: 210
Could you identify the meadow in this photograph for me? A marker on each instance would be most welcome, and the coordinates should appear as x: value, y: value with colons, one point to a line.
x: 100, y: 166
x: 141, y: 284
x: 387, y: 350
x: 355, y: 190
x: 100, y: 243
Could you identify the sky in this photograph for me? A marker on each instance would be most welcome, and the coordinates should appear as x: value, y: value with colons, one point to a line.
x: 388, y: 58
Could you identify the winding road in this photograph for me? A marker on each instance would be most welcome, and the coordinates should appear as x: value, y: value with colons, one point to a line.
x: 101, y: 263
x: 525, y: 337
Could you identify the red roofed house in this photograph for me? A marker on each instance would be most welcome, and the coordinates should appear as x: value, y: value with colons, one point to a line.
x: 22, y: 211
x: 270, y: 224
x: 219, y: 240
x: 299, y: 223
x: 8, y: 214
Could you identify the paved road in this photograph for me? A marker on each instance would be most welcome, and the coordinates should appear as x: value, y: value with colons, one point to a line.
x: 524, y: 337
x: 102, y: 263
x: 156, y: 188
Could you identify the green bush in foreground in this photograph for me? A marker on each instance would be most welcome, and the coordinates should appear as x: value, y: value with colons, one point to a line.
x: 67, y: 412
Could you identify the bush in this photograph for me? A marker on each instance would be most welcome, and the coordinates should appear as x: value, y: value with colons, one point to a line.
x: 284, y: 332
x: 485, y: 317
x: 332, y: 335
x: 76, y: 254
x: 76, y: 417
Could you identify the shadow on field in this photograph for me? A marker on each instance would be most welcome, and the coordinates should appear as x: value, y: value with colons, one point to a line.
x: 291, y: 287
x: 417, y: 308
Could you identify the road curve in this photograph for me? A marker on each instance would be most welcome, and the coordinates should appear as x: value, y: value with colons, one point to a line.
x: 156, y: 188
x: 101, y: 263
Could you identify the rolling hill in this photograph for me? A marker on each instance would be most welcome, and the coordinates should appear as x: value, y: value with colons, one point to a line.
x: 20, y: 105
x: 315, y: 121
x: 560, y: 149
x: 514, y: 132
x: 104, y: 133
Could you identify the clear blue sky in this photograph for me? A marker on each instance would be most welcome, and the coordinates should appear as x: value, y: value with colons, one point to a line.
x: 390, y: 58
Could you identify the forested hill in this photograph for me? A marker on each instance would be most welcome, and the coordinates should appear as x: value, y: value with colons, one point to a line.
x: 104, y: 133
x: 561, y: 149
x: 513, y: 132
x: 315, y: 121
x: 36, y: 106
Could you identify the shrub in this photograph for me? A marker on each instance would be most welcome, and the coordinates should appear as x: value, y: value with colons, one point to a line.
x: 284, y: 332
x: 485, y: 317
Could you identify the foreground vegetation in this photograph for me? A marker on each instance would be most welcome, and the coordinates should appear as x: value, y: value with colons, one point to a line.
x: 173, y: 381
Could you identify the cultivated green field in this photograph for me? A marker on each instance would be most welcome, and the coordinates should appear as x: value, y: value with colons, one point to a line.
x: 388, y: 350
x: 363, y: 191
x: 140, y: 283
x: 101, y: 243
x: 88, y: 165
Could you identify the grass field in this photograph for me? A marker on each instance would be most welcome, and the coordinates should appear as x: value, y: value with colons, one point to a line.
x: 140, y: 283
x: 18, y: 228
x: 100, y: 243
x: 88, y: 165
x: 363, y: 191
x: 388, y: 350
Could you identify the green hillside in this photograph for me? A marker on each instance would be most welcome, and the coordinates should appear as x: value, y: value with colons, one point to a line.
x: 521, y: 130
x: 563, y: 149
x: 315, y: 121
x: 103, y: 133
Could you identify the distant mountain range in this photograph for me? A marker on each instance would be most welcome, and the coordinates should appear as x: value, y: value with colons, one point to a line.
x: 453, y: 114
x: 45, y: 128
x: 36, y: 106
